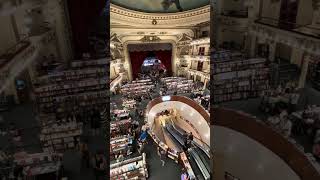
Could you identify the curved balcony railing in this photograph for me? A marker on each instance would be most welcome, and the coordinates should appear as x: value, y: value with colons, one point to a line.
x: 236, y: 14
x: 302, y: 29
x: 286, y: 149
x: 191, y: 103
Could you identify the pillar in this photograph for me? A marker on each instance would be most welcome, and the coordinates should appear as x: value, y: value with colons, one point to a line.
x: 296, y: 56
x: 58, y: 16
x: 304, y: 71
x: 127, y: 64
x: 253, y: 42
x: 216, y: 6
x: 272, y: 51
x: 205, y: 84
x: 316, y: 12
x: 174, y: 59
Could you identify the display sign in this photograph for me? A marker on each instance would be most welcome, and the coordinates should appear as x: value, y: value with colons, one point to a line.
x: 166, y: 98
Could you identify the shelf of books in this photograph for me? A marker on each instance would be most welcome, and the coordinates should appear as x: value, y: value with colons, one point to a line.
x: 235, y: 77
x: 134, y: 168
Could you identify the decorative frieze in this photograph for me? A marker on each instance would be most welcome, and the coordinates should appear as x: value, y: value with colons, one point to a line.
x: 233, y: 21
x: 150, y: 39
x: 125, y: 16
x: 306, y: 43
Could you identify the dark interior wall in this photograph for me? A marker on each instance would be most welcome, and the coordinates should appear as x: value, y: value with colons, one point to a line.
x: 85, y: 16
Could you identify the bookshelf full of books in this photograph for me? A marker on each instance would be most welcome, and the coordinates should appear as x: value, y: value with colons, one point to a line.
x: 62, y: 95
x: 235, y: 77
x: 134, y: 168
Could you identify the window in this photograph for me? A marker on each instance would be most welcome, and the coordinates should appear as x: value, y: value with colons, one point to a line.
x: 201, y: 51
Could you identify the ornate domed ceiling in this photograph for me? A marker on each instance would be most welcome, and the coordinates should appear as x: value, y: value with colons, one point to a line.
x: 161, y: 6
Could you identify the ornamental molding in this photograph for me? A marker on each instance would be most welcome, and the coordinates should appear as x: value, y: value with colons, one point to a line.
x: 125, y: 16
x: 233, y: 21
x: 273, y: 35
x: 150, y: 39
x: 129, y: 31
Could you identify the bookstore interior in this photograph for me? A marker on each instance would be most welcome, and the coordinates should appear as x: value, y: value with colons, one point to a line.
x: 148, y: 89
x: 160, y: 94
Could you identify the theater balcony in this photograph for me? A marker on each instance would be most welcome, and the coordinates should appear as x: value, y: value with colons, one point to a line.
x: 247, y: 149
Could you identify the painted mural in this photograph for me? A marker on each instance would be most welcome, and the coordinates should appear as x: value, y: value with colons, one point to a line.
x: 161, y: 6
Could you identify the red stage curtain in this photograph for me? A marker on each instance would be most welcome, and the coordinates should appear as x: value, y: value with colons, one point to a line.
x: 82, y: 14
x: 165, y: 57
x: 137, y: 59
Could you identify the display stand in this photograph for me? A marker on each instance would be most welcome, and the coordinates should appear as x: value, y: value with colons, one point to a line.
x: 178, y: 84
x: 120, y: 145
x: 187, y: 166
x: 56, y: 137
x: 137, y: 87
x: 116, y: 127
x: 39, y: 164
x: 129, y: 103
x: 134, y: 168
x: 172, y: 154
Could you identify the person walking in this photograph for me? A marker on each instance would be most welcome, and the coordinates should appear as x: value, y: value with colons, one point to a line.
x: 143, y: 136
x: 99, y: 164
x: 140, y: 147
x: 162, y: 155
x: 184, y: 175
x: 190, y: 136
x: 85, y: 155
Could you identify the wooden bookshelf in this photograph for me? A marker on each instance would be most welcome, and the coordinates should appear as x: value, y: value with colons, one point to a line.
x: 235, y: 77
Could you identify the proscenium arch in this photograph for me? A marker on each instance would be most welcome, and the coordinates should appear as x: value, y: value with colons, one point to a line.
x: 128, y: 60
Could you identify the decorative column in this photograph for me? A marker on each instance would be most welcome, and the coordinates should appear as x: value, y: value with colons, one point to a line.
x: 216, y: 8
x: 316, y: 11
x: 253, y: 42
x: 304, y: 71
x: 127, y: 64
x: 58, y: 17
x: 174, y: 59
x: 296, y: 56
x: 253, y: 14
x: 272, y: 50
x: 205, y: 84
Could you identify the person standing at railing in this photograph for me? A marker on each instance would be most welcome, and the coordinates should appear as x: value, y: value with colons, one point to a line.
x: 190, y: 137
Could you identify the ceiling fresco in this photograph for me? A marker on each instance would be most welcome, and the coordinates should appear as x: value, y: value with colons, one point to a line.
x: 161, y: 6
